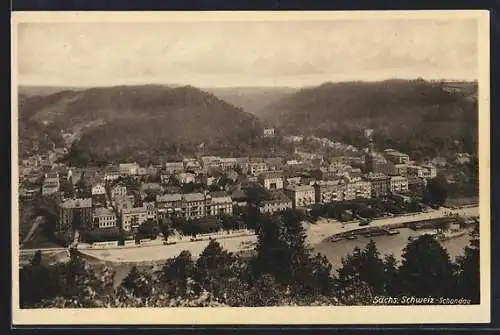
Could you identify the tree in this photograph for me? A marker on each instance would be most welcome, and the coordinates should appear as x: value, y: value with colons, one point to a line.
x: 266, y: 292
x: 436, y: 191
x: 176, y: 273
x: 366, y: 266
x: 426, y: 269
x: 138, y: 283
x: 391, y: 275
x: 165, y: 226
x: 468, y: 269
x: 214, y: 268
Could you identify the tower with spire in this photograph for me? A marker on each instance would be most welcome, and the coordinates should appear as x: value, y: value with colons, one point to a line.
x: 370, y: 157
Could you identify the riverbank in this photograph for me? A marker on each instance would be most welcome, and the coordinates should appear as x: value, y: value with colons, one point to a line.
x: 326, y: 228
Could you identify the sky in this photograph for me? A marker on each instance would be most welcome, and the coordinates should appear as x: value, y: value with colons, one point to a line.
x: 224, y: 54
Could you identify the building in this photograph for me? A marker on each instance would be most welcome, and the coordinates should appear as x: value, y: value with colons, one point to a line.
x: 174, y: 167
x: 118, y: 191
x: 329, y: 191
x: 51, y: 184
x: 193, y: 205
x: 278, y: 203
x: 98, y: 189
x: 380, y: 184
x: 75, y: 214
x: 185, y: 177
x: 269, y: 132
x: 398, y: 184
x: 360, y: 189
x: 254, y: 168
x: 396, y: 157
x: 111, y: 173
x: 169, y: 203
x: 132, y: 218
x: 123, y: 202
x: 218, y: 205
x: 192, y: 164
x: 271, y: 180
x: 103, y: 218
x: 129, y: 169
x: 293, y: 180
x: 426, y: 171
x: 301, y: 196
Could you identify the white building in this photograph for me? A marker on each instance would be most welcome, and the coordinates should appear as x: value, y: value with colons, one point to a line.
x: 103, y: 218
x: 129, y: 169
x: 301, y: 196
x: 219, y: 205
x: 118, y: 191
x: 271, y: 180
x: 279, y: 203
x: 329, y: 191
x: 399, y: 184
x: 422, y: 171
x: 269, y: 132
x: 358, y: 190
x: 98, y: 189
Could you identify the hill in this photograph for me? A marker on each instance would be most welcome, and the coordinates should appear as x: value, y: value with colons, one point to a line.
x: 416, y: 116
x: 134, y: 122
x: 252, y: 99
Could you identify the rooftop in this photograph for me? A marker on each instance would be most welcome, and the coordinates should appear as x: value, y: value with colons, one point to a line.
x: 194, y: 197
x: 299, y: 188
x: 169, y: 197
x: 77, y: 203
x: 103, y: 211
x: 134, y: 210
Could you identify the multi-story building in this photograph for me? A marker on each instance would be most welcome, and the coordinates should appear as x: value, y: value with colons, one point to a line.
x: 129, y: 169
x: 293, y: 180
x: 271, y: 180
x: 111, y: 173
x: 151, y: 212
x: 51, y: 184
x: 75, y: 214
x: 98, y: 189
x: 254, y: 168
x: 174, y: 167
x: 169, y: 203
x: 426, y: 171
x: 123, y: 202
x: 132, y: 218
x: 301, y: 196
x: 185, y: 177
x: 396, y: 157
x: 118, y: 191
x: 103, y: 218
x: 269, y: 132
x: 359, y: 189
x: 194, y: 205
x: 380, y: 184
x: 192, y: 164
x: 218, y: 205
x: 429, y: 171
x: 329, y: 191
x: 278, y: 203
x: 399, y: 184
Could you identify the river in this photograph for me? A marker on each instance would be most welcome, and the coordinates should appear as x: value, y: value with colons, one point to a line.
x: 394, y: 244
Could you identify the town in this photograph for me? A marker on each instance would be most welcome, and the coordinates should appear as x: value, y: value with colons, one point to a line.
x: 129, y: 204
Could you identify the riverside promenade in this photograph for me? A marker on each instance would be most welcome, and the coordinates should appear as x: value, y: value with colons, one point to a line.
x: 316, y: 233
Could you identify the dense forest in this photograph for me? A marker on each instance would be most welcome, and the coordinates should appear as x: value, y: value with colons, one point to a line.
x: 418, y: 117
x: 116, y: 122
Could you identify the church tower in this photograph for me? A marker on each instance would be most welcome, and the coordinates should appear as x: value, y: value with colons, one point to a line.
x: 370, y: 157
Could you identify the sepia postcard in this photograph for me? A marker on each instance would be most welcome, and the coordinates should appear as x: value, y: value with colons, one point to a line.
x: 264, y: 168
